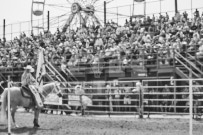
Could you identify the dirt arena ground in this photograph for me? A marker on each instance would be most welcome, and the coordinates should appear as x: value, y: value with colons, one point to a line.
x: 91, y: 125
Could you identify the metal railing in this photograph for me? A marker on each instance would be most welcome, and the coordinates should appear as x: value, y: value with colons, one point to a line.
x: 156, y: 98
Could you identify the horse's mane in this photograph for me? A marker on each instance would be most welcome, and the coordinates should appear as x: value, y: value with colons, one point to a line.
x: 47, y: 86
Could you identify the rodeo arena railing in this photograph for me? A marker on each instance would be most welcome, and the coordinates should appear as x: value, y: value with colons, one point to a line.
x: 166, y: 96
x: 99, y: 98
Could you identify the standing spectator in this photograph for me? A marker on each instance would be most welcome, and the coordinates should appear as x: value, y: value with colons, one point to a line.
x: 117, y: 93
x: 167, y: 17
x: 196, y: 14
x: 127, y: 99
x: 185, y: 15
x: 108, y: 98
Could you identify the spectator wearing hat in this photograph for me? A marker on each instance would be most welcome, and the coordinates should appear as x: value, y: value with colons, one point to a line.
x: 79, y: 90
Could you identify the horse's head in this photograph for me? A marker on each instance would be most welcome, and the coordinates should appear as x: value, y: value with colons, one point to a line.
x: 57, y: 89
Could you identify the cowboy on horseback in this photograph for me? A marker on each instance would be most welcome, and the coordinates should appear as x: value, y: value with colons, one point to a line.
x: 28, y: 83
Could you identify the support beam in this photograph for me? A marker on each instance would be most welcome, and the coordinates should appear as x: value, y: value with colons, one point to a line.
x: 8, y: 106
x: 117, y: 15
x: 191, y: 9
x: 176, y: 6
x: 160, y: 7
x: 104, y: 13
x: 191, y: 107
x: 48, y: 21
x: 145, y: 9
x: 4, y: 29
x: 133, y: 7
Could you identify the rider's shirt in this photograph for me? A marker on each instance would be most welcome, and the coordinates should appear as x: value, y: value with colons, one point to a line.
x: 28, y: 79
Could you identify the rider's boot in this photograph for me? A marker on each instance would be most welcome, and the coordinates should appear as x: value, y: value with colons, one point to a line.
x: 35, y: 122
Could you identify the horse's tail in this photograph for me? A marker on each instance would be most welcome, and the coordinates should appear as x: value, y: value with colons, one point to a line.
x: 3, y: 105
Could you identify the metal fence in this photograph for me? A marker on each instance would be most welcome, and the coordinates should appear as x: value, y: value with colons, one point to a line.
x: 166, y: 96
x: 107, y: 98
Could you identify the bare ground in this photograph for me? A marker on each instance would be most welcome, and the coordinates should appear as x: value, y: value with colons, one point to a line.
x: 91, y: 125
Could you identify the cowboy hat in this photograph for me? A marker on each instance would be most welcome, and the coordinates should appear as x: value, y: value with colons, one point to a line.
x: 28, y: 67
x: 78, y: 87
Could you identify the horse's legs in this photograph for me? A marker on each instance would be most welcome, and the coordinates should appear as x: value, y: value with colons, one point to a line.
x: 36, y: 116
x: 13, y: 116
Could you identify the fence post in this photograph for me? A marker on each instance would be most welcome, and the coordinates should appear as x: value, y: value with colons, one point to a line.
x: 9, y: 107
x: 140, y: 89
x: 191, y: 104
x: 110, y: 102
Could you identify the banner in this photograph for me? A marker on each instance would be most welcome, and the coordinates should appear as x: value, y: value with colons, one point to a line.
x: 40, y: 69
x: 139, y: 0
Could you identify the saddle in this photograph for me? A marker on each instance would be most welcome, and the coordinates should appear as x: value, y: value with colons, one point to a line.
x: 26, y: 93
x: 31, y: 93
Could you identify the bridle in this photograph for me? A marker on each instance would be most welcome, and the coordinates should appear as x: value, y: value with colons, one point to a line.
x: 56, y: 88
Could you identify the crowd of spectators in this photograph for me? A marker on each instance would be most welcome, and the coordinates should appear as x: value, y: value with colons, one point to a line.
x: 139, y: 39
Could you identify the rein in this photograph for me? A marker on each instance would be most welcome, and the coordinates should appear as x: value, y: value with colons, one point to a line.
x: 51, y: 90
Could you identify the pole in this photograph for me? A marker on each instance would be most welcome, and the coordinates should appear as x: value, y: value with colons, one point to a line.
x: 20, y: 27
x: 117, y: 15
x: 11, y: 32
x: 133, y: 7
x: 109, y: 98
x: 104, y: 13
x: 32, y: 17
x: 48, y: 21
x: 140, y: 102
x: 58, y: 21
x: 191, y: 104
x: 130, y: 10
x: 4, y: 28
x: 191, y: 9
x: 176, y: 6
x: 29, y: 30
x: 9, y: 109
x: 160, y: 6
x: 145, y: 8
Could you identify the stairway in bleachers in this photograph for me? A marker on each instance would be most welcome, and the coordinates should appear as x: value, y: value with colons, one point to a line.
x: 186, y: 67
x: 54, y: 75
x: 193, y: 58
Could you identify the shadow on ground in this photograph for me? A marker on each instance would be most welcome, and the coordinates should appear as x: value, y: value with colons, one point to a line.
x: 23, y: 130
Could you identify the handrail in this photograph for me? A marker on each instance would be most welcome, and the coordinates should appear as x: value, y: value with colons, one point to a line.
x: 189, y: 62
x: 120, y: 65
x: 198, y: 62
x: 186, y: 67
x: 50, y: 70
x: 69, y: 72
x: 53, y: 73
x: 4, y: 79
x: 57, y: 72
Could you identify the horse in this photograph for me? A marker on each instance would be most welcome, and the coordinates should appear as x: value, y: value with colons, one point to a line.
x: 80, y: 100
x: 17, y: 99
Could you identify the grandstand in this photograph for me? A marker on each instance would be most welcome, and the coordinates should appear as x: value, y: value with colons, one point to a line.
x: 143, y: 50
